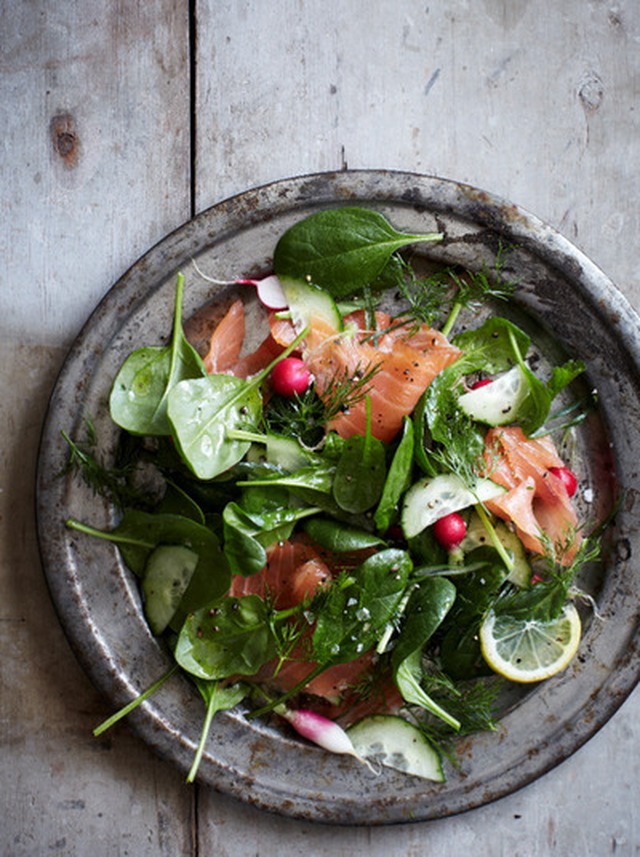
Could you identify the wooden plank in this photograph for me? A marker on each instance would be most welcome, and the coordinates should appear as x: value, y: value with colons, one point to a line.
x: 95, y: 169
x: 98, y: 96
x: 534, y: 102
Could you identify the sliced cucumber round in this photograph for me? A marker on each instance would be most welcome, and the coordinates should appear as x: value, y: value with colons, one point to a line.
x: 497, y: 403
x: 395, y: 743
x: 430, y: 499
x: 306, y: 301
x: 477, y: 536
x: 168, y: 572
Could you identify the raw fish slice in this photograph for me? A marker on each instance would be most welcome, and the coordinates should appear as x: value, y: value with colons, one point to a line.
x: 226, y: 340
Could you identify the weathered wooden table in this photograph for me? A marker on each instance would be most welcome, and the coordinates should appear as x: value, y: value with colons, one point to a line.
x: 120, y: 121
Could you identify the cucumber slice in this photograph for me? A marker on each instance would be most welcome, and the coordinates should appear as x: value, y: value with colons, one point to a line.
x: 396, y: 743
x: 477, y: 536
x: 168, y: 572
x: 497, y: 403
x: 306, y: 301
x: 287, y: 452
x: 430, y: 499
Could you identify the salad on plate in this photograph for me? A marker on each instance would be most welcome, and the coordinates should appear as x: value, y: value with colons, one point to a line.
x: 366, y: 525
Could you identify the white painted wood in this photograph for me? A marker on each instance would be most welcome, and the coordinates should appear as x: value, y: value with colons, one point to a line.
x: 533, y: 101
x: 536, y: 102
x: 95, y: 168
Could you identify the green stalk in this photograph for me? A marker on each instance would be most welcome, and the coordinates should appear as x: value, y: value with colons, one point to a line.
x: 453, y: 317
x: 291, y: 692
x: 73, y: 524
x: 493, y: 536
x: 211, y: 710
x: 135, y: 702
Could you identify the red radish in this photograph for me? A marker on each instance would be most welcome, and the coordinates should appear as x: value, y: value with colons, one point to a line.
x: 290, y: 376
x: 322, y: 731
x: 269, y: 291
x: 482, y: 383
x: 450, y: 530
x: 269, y: 288
x: 567, y: 477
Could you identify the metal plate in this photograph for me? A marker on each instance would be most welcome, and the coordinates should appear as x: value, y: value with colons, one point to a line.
x: 574, y: 306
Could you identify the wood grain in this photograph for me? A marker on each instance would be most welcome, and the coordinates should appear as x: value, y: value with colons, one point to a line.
x: 537, y: 102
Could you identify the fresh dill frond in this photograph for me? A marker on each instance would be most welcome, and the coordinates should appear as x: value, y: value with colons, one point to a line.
x: 425, y: 295
x: 473, y: 704
x: 111, y: 483
x: 475, y: 287
x: 304, y: 416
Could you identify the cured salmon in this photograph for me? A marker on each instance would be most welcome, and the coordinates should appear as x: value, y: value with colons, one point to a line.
x: 225, y: 347
x: 536, y: 499
x: 226, y: 340
x: 404, y: 371
x: 294, y: 572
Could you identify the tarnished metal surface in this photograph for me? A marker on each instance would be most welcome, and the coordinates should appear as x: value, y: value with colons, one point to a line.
x: 97, y: 598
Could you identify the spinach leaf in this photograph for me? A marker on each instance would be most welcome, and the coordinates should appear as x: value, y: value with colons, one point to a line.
x: 230, y: 637
x: 477, y: 591
x: 139, y: 533
x: 408, y: 678
x: 339, y: 537
x: 489, y: 348
x: 398, y: 479
x: 341, y: 250
x: 361, y: 471
x: 204, y: 413
x: 218, y: 696
x: 425, y: 612
x: 534, y: 410
x: 138, y: 401
x: 246, y: 536
x: 353, y: 613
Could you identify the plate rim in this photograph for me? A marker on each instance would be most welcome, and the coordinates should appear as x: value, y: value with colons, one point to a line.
x: 499, y: 216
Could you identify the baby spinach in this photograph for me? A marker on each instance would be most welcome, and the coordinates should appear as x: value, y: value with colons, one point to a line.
x: 232, y: 636
x: 360, y: 472
x: 408, y: 677
x: 352, y: 616
x: 397, y: 480
x: 139, y: 533
x: 339, y: 537
x: 138, y: 401
x: 205, y: 412
x: 341, y: 250
x: 428, y: 605
x: 218, y: 696
x: 248, y: 535
x: 534, y: 411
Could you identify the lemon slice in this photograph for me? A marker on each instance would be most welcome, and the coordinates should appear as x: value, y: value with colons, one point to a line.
x: 527, y: 650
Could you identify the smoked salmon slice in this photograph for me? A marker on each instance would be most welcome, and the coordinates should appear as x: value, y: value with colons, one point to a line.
x: 536, y: 499
x: 404, y: 372
x: 295, y: 571
x: 226, y: 340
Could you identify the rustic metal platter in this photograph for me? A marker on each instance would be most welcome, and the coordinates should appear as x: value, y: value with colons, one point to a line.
x: 572, y: 305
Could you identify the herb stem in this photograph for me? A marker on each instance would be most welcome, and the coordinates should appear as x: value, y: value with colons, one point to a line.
x: 291, y: 692
x: 74, y: 524
x: 211, y: 710
x: 110, y: 721
x: 453, y: 317
x: 493, y: 536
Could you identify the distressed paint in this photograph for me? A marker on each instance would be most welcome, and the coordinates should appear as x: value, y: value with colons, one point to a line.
x: 534, y: 101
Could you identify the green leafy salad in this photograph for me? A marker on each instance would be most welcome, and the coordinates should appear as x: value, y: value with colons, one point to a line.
x: 364, y: 527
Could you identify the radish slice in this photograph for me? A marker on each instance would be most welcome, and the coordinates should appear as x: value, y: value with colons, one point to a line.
x: 269, y: 291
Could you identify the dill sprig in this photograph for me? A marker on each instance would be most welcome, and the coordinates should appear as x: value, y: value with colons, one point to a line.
x: 305, y: 415
x: 474, y: 287
x: 111, y: 483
